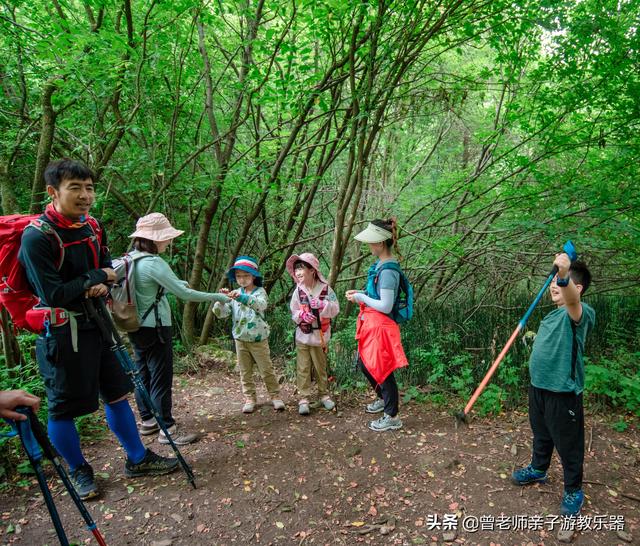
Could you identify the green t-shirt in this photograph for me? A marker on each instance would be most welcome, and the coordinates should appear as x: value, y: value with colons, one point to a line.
x: 550, y: 362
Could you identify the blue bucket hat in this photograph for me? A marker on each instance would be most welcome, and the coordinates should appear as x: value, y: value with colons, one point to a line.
x: 248, y: 264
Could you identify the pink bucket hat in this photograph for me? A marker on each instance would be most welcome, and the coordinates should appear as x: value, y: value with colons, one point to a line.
x: 155, y: 227
x: 307, y: 258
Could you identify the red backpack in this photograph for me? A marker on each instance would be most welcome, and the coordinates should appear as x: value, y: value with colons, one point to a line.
x: 15, y: 292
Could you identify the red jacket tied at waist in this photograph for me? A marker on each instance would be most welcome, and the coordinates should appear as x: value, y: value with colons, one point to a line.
x: 379, y: 343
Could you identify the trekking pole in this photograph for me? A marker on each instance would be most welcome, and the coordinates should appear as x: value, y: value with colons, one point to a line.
x: 36, y: 444
x: 461, y: 417
x: 104, y: 322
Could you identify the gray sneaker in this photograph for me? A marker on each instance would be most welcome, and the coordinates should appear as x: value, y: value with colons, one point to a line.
x: 150, y: 427
x: 84, y: 483
x: 181, y: 439
x: 386, y: 422
x: 151, y: 465
x: 303, y: 408
x: 376, y: 406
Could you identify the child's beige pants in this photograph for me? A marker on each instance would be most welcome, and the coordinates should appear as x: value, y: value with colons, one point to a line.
x: 308, y: 356
x: 256, y: 353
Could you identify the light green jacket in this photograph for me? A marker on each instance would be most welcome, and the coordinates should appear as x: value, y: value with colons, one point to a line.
x: 151, y: 272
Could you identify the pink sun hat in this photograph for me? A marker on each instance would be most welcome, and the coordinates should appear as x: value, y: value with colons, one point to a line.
x: 155, y: 227
x: 307, y: 258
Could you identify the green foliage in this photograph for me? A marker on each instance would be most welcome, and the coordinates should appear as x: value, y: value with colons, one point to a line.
x: 412, y: 392
x: 443, y: 370
x: 615, y: 380
x: 491, y: 402
x: 620, y: 425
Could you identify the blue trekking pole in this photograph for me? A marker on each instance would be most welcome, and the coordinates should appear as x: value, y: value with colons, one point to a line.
x: 461, y: 417
x: 103, y: 320
x: 36, y: 444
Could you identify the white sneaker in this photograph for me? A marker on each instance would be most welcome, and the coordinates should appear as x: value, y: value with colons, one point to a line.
x: 303, y: 408
x: 249, y: 407
x: 328, y: 403
x: 278, y: 404
x: 376, y: 406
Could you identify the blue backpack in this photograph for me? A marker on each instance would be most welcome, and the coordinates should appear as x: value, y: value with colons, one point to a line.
x: 402, y: 310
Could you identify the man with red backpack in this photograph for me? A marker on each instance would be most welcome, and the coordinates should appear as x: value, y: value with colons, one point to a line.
x: 66, y: 260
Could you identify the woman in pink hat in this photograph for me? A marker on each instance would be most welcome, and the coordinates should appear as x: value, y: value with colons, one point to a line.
x: 152, y: 343
x: 313, y: 305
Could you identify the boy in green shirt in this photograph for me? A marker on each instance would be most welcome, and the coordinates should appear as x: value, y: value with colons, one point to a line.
x: 556, y: 368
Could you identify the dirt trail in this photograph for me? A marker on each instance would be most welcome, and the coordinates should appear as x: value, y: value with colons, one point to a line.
x: 278, y: 478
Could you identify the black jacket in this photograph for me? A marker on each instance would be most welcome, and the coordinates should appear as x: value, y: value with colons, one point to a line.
x: 40, y: 255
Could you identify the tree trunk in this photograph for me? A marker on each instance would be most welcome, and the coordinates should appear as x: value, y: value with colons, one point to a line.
x: 7, y: 195
x: 44, y: 147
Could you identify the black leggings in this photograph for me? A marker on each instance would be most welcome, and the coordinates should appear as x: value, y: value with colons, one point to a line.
x: 154, y: 358
x: 388, y: 390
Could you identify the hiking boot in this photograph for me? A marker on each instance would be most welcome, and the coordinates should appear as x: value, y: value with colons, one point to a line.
x: 84, y: 482
x: 303, y: 407
x: 327, y: 403
x: 151, y: 465
x: 278, y: 404
x: 572, y: 502
x: 178, y: 439
x: 148, y: 427
x: 249, y: 406
x: 527, y: 475
x: 386, y: 422
x: 376, y: 406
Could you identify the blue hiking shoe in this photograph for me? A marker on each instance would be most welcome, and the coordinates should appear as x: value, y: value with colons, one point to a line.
x: 527, y: 475
x: 84, y: 482
x: 572, y: 503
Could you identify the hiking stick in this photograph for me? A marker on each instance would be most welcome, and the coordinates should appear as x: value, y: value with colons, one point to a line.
x: 104, y: 322
x: 461, y: 417
x: 36, y: 444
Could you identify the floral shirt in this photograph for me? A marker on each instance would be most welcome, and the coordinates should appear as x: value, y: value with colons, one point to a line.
x: 247, y: 314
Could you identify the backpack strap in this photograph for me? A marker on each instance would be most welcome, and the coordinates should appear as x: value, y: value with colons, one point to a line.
x: 154, y: 307
x: 393, y: 266
x: 47, y: 229
x: 159, y: 293
x: 94, y: 241
x: 305, y: 300
x: 303, y: 296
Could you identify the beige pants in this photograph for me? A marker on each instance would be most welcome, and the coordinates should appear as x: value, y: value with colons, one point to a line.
x: 306, y: 357
x: 258, y: 353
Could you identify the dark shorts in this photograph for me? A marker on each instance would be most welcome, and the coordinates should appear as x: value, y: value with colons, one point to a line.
x: 74, y: 380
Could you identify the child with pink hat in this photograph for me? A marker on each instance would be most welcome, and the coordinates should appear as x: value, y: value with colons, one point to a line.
x: 313, y: 305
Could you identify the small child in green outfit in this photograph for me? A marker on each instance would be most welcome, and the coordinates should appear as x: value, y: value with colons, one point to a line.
x: 556, y: 368
x: 250, y: 330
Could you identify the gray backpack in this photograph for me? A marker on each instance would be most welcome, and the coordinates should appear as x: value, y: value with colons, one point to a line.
x: 124, y: 308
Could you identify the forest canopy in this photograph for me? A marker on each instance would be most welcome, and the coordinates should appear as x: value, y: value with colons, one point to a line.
x: 493, y: 130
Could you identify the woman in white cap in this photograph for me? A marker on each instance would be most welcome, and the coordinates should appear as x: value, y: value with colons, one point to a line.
x: 313, y: 305
x: 152, y: 343
x: 380, y: 351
